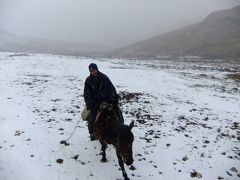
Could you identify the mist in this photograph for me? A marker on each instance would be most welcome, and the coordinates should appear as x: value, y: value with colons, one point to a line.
x: 112, y: 23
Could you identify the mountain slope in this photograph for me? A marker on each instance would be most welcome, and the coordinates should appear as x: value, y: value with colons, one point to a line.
x: 12, y: 42
x: 218, y: 35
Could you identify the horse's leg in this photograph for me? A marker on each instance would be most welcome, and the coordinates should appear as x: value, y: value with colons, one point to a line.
x: 104, y: 147
x: 120, y: 162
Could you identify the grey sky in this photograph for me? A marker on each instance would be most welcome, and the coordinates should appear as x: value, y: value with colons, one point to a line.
x: 103, y: 21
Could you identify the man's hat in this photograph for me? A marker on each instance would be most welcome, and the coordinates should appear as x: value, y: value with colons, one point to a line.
x: 92, y: 66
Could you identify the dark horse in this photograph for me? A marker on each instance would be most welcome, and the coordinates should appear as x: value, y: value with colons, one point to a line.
x: 109, y: 129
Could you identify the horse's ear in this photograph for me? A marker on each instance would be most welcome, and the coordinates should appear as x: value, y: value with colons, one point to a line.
x: 131, y: 124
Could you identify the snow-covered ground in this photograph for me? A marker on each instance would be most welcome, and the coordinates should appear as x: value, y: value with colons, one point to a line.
x: 186, y: 115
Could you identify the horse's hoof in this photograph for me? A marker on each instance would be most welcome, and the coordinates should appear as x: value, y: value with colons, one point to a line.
x: 126, y: 178
x: 103, y: 160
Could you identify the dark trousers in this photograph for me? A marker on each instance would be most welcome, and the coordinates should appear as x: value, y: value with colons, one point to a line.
x: 91, y: 120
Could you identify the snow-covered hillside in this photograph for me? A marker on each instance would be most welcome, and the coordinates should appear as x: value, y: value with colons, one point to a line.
x: 186, y: 115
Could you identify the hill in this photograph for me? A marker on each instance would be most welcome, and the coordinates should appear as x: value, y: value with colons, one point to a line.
x: 218, y: 36
x: 12, y: 42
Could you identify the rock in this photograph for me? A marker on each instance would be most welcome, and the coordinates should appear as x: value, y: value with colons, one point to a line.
x: 206, y: 118
x: 196, y: 174
x: 83, y: 163
x: 132, y: 168
x: 234, y: 169
x: 68, y: 119
x: 206, y: 142
x: 193, y: 110
x: 168, y: 145
x: 18, y: 133
x: 78, y: 107
x: 185, y: 158
x: 229, y: 173
x: 60, y: 161
x: 75, y: 157
x: 64, y: 142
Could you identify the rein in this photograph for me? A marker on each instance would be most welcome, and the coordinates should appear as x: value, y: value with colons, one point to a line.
x: 73, y: 131
x: 98, y: 114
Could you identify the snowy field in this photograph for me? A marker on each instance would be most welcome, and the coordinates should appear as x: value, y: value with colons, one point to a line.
x: 186, y: 115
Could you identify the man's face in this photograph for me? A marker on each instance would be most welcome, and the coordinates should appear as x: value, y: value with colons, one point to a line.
x: 94, y: 72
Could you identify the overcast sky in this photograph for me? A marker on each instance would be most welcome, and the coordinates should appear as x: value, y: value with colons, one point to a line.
x: 103, y: 21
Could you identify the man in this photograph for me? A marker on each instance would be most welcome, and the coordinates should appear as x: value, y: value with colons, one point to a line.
x: 98, y: 88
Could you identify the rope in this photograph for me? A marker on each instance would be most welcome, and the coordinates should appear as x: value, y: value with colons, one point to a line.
x: 73, y: 131
x: 69, y: 136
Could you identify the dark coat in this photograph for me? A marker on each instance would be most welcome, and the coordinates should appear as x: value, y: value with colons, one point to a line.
x: 99, y: 89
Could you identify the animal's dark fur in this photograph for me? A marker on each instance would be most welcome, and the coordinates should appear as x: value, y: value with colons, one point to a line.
x: 110, y: 130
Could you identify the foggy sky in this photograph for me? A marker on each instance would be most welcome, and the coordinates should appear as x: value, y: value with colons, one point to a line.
x: 105, y: 22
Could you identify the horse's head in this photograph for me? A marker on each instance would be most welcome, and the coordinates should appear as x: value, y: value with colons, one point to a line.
x: 125, y: 141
